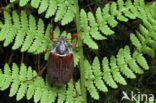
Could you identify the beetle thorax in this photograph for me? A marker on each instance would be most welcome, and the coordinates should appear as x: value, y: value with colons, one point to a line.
x: 61, y: 47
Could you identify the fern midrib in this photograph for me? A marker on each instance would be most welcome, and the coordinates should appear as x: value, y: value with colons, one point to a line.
x: 82, y: 75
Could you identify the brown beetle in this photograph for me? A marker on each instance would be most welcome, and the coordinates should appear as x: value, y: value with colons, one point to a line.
x: 60, y: 64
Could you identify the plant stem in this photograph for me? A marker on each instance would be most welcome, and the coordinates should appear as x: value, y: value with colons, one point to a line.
x: 82, y: 75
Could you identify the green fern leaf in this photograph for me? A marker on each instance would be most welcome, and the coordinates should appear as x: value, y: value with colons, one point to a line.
x: 141, y: 37
x: 102, y: 24
x: 135, y: 11
x: 76, y: 58
x: 21, y: 33
x: 83, y: 19
x: 107, y: 75
x: 87, y: 40
x: 45, y: 42
x: 21, y: 91
x: 152, y: 43
x: 38, y: 94
x: 52, y: 95
x: 142, y: 13
x: 23, y: 72
x: 7, y: 81
x: 19, y: 39
x: 51, y: 8
x: 92, y: 90
x: 105, y: 29
x: 68, y: 17
x: 99, y: 15
x: 129, y: 14
x: 12, y: 0
x: 112, y: 22
x: 44, y: 96
x: 62, y: 8
x: 143, y: 30
x: 141, y: 60
x: 149, y: 51
x: 61, y: 96
x: 43, y: 6
x: 9, y: 38
x: 94, y: 29
x: 14, y: 88
x: 6, y: 27
x: 116, y: 74
x: 69, y: 92
x: 7, y: 70
x: 106, y: 11
x: 128, y: 3
x: 23, y: 2
x: 29, y: 73
x: 135, y: 41
x: 2, y: 80
x: 38, y: 38
x: 30, y: 34
x: 15, y: 71
x: 120, y: 4
x: 131, y: 62
x: 88, y: 71
x: 35, y: 3
x: 7, y: 18
x: 113, y: 8
x: 30, y: 92
x: 98, y: 81
x: 124, y: 67
x: 121, y: 17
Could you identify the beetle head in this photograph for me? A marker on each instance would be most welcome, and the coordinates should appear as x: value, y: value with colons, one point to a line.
x: 61, y: 47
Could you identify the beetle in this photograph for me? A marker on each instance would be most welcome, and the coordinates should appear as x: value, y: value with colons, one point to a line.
x: 60, y: 63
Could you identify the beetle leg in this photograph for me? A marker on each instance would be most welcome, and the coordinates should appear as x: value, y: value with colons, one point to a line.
x: 80, y: 46
x: 51, y: 36
x: 75, y: 86
x: 46, y: 51
x: 51, y: 32
x: 38, y: 73
x: 74, y: 36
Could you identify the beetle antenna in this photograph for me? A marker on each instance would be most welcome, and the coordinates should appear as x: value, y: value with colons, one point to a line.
x: 51, y: 32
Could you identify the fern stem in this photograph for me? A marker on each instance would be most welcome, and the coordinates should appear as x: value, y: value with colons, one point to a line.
x: 82, y: 75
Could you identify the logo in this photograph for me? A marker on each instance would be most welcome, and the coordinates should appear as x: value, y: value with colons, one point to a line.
x: 137, y: 97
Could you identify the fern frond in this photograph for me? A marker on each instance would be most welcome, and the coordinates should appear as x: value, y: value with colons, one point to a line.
x: 123, y: 63
x: 43, y: 6
x: 107, y: 74
x: 37, y: 89
x: 107, y: 18
x: 115, y: 72
x: 98, y: 81
x: 144, y: 39
x: 124, y: 67
x: 28, y: 35
x: 23, y: 2
x: 131, y: 62
x: 53, y: 7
